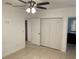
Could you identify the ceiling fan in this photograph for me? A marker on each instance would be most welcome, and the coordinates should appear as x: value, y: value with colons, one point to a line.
x: 32, y: 5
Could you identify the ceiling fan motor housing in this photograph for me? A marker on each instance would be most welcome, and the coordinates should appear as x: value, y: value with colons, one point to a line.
x: 32, y: 3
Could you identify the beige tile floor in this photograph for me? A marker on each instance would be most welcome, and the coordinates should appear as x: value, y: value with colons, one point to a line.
x: 32, y: 51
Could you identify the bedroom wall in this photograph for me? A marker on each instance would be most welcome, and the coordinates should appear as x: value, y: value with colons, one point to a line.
x: 29, y: 29
x: 13, y: 26
x: 61, y: 12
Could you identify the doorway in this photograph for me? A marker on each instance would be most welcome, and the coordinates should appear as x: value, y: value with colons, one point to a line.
x: 71, y: 32
x: 71, y: 36
x: 26, y: 39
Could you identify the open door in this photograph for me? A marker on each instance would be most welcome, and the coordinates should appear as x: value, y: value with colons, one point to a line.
x: 25, y: 30
x: 35, y: 24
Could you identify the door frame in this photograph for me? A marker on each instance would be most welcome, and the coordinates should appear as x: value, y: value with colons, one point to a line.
x: 68, y: 27
x: 26, y: 32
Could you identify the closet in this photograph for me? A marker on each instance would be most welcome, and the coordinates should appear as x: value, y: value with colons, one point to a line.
x: 47, y: 32
x: 51, y: 32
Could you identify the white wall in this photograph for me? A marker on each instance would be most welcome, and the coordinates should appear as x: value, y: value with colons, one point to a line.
x: 61, y: 12
x: 29, y: 29
x: 13, y: 29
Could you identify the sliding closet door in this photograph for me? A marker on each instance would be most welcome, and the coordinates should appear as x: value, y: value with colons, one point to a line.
x: 35, y: 29
x: 51, y: 33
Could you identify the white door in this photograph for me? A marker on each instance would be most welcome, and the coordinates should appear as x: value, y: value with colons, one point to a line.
x: 35, y: 26
x: 51, y: 33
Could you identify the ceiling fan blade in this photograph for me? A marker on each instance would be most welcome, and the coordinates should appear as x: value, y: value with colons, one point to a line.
x: 41, y: 7
x: 22, y: 1
x: 8, y: 3
x: 18, y: 6
x: 43, y: 3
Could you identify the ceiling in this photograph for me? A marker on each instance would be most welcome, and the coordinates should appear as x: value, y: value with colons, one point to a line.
x: 53, y: 3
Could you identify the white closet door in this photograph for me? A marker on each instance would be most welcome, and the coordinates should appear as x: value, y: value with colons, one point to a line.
x: 51, y: 33
x: 35, y: 26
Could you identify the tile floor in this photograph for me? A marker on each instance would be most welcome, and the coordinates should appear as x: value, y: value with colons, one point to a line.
x: 32, y: 51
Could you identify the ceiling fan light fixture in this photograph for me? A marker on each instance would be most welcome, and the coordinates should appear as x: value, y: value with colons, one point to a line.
x: 33, y: 10
x: 28, y: 10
